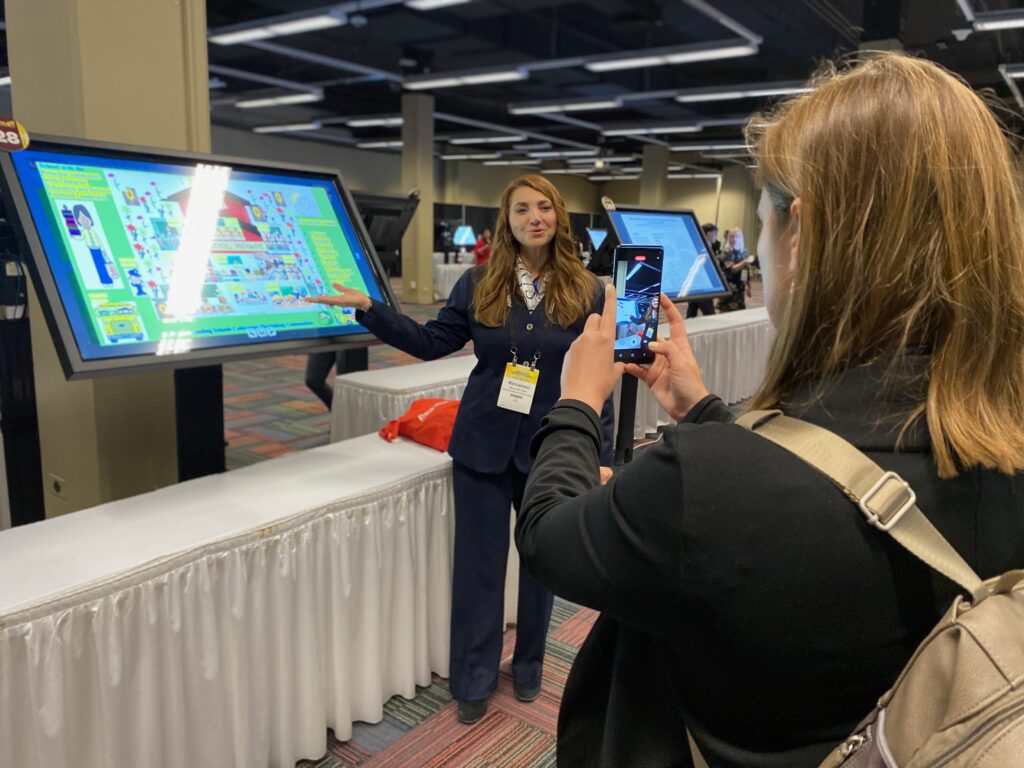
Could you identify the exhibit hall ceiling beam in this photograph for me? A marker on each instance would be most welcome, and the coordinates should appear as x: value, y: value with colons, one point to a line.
x: 255, y: 77
x: 470, y: 122
x: 327, y: 61
x: 990, y: 21
x: 1011, y: 74
x: 283, y: 25
x: 725, y: 20
x: 682, y: 95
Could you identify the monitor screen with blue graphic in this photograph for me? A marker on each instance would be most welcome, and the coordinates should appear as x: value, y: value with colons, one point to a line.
x: 464, y: 236
x: 689, y: 270
x: 148, y: 256
x: 597, y: 237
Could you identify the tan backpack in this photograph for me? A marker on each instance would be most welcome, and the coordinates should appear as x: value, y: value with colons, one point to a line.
x: 959, y: 702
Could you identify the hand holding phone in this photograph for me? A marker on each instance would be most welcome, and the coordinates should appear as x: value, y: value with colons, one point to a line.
x: 637, y: 271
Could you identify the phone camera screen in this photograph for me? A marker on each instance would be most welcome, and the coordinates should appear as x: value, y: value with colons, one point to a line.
x: 637, y: 291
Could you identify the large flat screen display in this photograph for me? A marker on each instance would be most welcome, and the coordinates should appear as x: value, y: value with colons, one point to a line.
x: 149, y: 258
x: 689, y: 270
x: 464, y: 236
x: 597, y: 237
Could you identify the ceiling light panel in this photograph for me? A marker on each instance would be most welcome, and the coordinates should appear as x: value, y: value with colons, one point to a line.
x: 430, y: 5
x: 705, y: 147
x: 453, y: 79
x: 374, y: 122
x: 288, y: 98
x: 554, y: 107
x: 281, y: 27
x: 289, y: 128
x: 485, y: 139
x: 651, y: 130
x: 682, y: 54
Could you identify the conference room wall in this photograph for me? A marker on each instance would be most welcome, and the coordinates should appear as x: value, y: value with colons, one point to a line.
x: 472, y: 183
x: 459, y: 183
x: 377, y: 172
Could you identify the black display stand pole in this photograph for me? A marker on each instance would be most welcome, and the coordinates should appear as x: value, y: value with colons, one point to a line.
x: 199, y: 409
x: 352, y: 360
x: 627, y: 415
x: 20, y: 423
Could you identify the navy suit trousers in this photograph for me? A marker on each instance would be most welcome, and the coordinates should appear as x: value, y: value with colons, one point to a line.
x: 483, y: 504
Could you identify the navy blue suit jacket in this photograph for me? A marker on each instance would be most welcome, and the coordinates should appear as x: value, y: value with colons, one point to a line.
x: 486, y: 437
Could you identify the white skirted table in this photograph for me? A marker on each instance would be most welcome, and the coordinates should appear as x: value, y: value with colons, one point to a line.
x: 228, y: 620
x: 367, y: 400
x: 445, y: 278
x: 732, y: 349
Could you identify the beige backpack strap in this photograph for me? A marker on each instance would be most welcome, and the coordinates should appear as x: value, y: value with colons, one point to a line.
x: 885, y: 498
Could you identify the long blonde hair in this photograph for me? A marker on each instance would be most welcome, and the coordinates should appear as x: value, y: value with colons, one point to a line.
x: 569, y: 289
x: 910, y: 233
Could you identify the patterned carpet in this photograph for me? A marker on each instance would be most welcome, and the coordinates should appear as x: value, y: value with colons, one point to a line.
x: 268, y: 410
x: 424, y: 732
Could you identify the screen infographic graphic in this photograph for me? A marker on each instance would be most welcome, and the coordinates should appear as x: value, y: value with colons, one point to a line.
x: 689, y: 270
x: 597, y: 236
x: 161, y: 257
x: 464, y: 236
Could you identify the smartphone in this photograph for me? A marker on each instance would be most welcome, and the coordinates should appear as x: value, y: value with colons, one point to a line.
x: 636, y: 270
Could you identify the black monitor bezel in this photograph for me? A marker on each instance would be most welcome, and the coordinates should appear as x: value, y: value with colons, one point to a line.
x: 700, y: 230
x: 55, y: 313
x: 405, y: 207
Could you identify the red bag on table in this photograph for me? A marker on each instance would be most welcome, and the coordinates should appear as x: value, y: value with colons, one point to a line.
x: 428, y: 421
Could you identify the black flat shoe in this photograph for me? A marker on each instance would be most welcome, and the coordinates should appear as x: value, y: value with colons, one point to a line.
x: 471, y: 711
x: 525, y: 694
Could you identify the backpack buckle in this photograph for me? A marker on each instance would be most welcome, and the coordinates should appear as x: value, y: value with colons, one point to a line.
x: 886, y: 520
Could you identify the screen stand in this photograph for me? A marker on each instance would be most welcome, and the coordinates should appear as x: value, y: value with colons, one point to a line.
x: 627, y: 415
x: 199, y: 409
x: 353, y: 360
x: 20, y: 422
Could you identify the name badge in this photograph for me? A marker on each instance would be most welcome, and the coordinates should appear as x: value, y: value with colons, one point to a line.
x: 518, y: 387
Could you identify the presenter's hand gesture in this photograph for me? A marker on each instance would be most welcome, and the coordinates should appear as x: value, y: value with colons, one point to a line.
x: 674, y: 377
x: 589, y: 373
x: 345, y: 297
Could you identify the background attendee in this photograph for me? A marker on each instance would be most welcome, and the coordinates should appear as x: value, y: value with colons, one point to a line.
x: 525, y: 306
x: 482, y: 249
x: 750, y: 600
x: 318, y: 368
x: 735, y: 264
x: 706, y: 306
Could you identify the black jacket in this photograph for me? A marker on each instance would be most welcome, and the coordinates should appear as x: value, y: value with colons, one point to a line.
x: 742, y: 593
x: 485, y: 437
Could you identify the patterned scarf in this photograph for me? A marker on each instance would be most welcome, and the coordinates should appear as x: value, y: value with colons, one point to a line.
x: 533, y: 291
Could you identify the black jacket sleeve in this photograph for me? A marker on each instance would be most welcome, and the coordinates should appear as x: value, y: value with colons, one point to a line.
x: 437, y: 338
x: 616, y: 548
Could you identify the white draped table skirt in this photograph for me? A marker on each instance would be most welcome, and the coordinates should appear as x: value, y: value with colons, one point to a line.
x: 237, y: 651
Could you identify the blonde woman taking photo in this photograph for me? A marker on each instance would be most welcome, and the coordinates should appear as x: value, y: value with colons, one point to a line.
x: 751, y: 601
x: 526, y: 305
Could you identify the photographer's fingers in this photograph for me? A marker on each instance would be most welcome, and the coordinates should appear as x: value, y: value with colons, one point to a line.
x: 676, y: 324
x: 608, y: 316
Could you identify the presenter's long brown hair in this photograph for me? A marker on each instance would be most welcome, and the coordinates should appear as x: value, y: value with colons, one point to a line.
x: 570, y: 287
x: 910, y: 233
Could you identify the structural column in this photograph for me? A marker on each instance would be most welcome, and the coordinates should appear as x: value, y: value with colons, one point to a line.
x: 654, y: 176
x: 418, y: 173
x: 135, y: 74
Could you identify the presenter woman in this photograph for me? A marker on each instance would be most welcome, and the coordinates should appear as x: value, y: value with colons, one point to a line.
x: 521, y: 310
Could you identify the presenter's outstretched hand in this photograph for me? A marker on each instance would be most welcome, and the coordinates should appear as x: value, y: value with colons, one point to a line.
x: 589, y: 373
x: 674, y: 377
x: 345, y: 297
